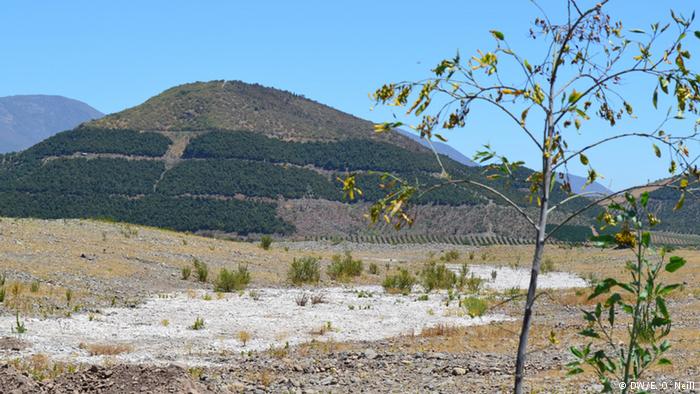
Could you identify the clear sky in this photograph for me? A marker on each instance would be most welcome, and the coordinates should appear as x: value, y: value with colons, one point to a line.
x: 115, y: 55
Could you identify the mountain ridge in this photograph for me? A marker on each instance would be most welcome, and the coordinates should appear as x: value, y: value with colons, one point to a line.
x: 28, y: 119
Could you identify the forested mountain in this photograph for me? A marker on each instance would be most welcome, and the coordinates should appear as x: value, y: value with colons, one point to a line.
x: 239, y: 158
x: 26, y: 120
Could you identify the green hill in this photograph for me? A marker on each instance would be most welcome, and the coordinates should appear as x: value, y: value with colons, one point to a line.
x: 239, y: 158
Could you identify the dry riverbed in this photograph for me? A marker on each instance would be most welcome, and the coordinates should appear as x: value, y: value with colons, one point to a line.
x: 104, y: 306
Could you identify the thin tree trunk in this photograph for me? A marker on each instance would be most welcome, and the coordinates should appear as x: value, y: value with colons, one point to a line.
x: 536, y: 262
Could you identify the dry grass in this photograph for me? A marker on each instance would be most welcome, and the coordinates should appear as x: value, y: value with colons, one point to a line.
x: 106, y: 349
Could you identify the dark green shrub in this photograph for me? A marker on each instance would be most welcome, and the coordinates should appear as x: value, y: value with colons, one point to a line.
x: 399, y: 283
x: 201, y: 269
x: 185, y: 273
x: 229, y: 281
x: 437, y: 276
x: 265, y: 242
x: 304, y: 270
x: 373, y: 269
x: 344, y: 267
x: 476, y: 307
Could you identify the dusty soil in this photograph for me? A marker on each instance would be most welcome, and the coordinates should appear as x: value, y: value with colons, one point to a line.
x: 108, y: 265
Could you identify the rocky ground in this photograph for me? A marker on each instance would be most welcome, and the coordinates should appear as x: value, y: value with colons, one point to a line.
x: 107, y: 265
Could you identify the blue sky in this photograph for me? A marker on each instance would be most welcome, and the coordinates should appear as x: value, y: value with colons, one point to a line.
x: 115, y: 55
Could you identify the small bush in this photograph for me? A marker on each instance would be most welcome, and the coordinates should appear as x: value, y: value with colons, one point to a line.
x: 265, y: 242
x: 399, y: 283
x: 304, y: 270
x: 301, y: 299
x: 244, y: 337
x: 198, y: 324
x: 229, y: 281
x: 373, y: 269
x: 318, y: 299
x: 474, y: 284
x: 423, y: 297
x: 185, y: 273
x: 471, y: 255
x: 69, y: 296
x: 476, y: 307
x: 437, y: 276
x: 344, y: 267
x: 34, y: 287
x: 3, y: 279
x: 2, y: 294
x: 201, y: 269
x: 547, y: 266
x: 451, y: 255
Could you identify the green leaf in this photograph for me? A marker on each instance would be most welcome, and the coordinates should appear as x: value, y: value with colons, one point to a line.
x: 498, y: 35
x: 602, y: 287
x: 576, y: 352
x: 644, y: 199
x: 667, y: 289
x: 589, y: 332
x: 680, y: 202
x: 665, y: 361
x: 637, y: 31
x: 655, y: 97
x: 584, y: 159
x: 697, y: 33
x: 646, y: 239
x: 662, y: 306
x: 675, y: 262
x: 657, y: 151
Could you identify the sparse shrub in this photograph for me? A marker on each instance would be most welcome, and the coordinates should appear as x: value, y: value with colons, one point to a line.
x: 165, y: 322
x: 474, y: 284
x: 476, y: 307
x: 423, y: 297
x: 547, y: 266
x: 301, y: 299
x: 201, y: 269
x: 105, y: 349
x: 185, y: 273
x: 254, y: 295
x: 244, y: 337
x: 471, y: 255
x: 229, y: 281
x: 206, y: 297
x: 451, y: 255
x: 198, y: 324
x: 3, y: 279
x: 318, y: 298
x: 437, y: 276
x: 373, y: 269
x: 304, y: 270
x: 19, y: 327
x: 2, y: 294
x: 399, y: 283
x: 494, y: 275
x: 463, y: 272
x: 69, y: 296
x: 265, y: 242
x: 344, y: 267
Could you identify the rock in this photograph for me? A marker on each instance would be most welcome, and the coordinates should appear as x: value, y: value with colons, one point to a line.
x: 458, y: 371
x: 370, y: 354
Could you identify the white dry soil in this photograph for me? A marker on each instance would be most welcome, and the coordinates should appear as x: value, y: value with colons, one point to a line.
x: 272, y: 318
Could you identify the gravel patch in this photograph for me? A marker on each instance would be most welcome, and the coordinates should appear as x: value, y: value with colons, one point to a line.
x: 160, y: 329
x: 508, y: 278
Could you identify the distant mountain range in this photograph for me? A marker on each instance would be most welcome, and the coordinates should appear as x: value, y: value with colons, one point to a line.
x: 26, y: 120
x: 578, y: 183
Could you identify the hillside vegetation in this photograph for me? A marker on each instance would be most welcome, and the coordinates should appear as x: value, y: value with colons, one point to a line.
x: 241, y: 180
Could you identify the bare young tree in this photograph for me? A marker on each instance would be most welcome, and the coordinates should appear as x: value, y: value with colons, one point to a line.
x: 588, y: 58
